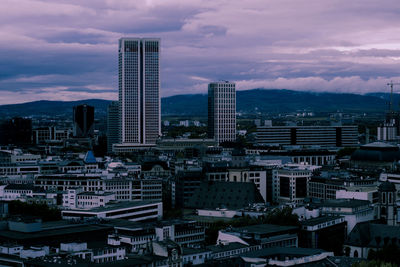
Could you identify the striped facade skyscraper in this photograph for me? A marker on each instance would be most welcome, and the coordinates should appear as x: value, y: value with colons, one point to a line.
x: 139, y: 92
x: 222, y: 111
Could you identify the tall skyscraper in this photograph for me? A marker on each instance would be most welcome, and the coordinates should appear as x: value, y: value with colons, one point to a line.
x: 139, y: 91
x: 222, y: 111
x: 112, y: 125
x: 83, y: 121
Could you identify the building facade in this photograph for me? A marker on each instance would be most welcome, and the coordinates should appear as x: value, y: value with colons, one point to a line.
x: 290, y: 184
x: 112, y: 125
x: 326, y: 136
x: 222, y: 111
x: 139, y: 91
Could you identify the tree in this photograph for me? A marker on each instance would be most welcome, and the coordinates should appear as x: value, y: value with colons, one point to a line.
x: 282, y: 217
x: 389, y: 253
x: 43, y: 211
x: 346, y: 151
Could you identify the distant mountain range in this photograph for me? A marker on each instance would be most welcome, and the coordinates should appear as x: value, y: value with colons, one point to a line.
x: 249, y: 101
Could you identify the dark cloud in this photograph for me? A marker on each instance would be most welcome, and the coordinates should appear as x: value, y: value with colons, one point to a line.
x: 68, y: 49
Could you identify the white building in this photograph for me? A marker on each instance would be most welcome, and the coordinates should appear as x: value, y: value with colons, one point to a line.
x: 196, y: 256
x: 25, y: 158
x: 265, y: 235
x: 15, y: 191
x: 222, y: 111
x: 387, y: 132
x: 76, y: 198
x: 185, y: 233
x: 125, y: 189
x: 184, y: 123
x: 133, y: 211
x: 11, y: 249
x: 34, y: 252
x: 96, y: 255
x: 137, y: 236
x: 354, y: 210
x: 369, y: 193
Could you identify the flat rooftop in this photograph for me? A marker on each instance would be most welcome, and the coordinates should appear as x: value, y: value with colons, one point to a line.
x: 228, y: 247
x: 282, y: 251
x: 264, y: 229
x: 50, y: 233
x: 319, y: 220
x: 344, y: 203
x: 116, y: 206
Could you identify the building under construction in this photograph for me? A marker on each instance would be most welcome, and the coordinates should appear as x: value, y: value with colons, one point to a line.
x: 389, y: 130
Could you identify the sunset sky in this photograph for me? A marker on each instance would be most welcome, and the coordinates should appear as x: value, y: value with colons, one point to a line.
x: 67, y: 49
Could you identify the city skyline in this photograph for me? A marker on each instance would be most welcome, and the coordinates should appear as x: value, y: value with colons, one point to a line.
x: 302, y: 45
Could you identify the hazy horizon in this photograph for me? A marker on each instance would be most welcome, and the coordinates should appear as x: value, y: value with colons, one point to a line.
x: 204, y: 93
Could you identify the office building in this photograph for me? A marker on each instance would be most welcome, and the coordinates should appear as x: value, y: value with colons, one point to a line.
x: 354, y: 211
x: 50, y: 135
x: 264, y: 235
x: 139, y: 93
x: 222, y: 111
x: 335, y: 186
x: 112, y: 125
x: 325, y: 136
x: 324, y: 232
x: 386, y: 132
x: 145, y: 189
x: 389, y: 130
x: 290, y: 184
x: 83, y: 117
x: 16, y: 131
x: 132, y: 211
x: 375, y: 157
x: 253, y: 174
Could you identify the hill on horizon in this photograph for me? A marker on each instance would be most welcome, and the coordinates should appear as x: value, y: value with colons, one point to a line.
x: 248, y: 101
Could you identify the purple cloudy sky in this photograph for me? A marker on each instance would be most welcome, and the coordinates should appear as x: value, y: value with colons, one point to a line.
x: 67, y: 49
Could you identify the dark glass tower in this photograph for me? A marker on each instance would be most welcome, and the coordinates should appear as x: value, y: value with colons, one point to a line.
x: 83, y: 118
x: 112, y: 125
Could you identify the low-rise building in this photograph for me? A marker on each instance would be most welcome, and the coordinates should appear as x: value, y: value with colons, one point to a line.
x: 133, y: 211
x: 75, y: 198
x: 325, y: 232
x: 353, y: 210
x: 125, y: 189
x: 184, y: 233
x: 290, y: 184
x: 369, y: 193
x: 195, y: 256
x: 370, y: 236
x: 230, y: 250
x: 265, y: 235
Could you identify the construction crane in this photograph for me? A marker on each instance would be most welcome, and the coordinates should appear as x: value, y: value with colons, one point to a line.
x: 391, y: 95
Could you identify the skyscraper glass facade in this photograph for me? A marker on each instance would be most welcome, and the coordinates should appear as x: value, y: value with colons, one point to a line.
x: 139, y: 90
